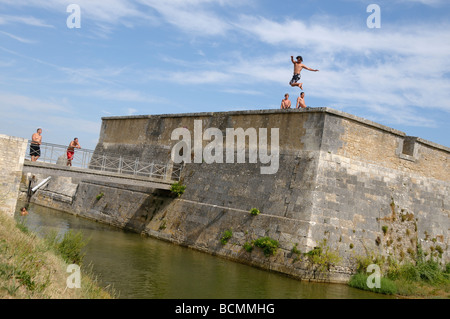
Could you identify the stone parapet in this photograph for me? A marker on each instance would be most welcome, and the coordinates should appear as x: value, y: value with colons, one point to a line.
x: 12, y: 155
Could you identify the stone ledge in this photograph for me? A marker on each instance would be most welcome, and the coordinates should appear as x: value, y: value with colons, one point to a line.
x: 279, y: 111
x: 13, y: 138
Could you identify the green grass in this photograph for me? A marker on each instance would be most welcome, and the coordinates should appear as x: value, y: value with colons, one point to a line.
x: 69, y: 246
x: 430, y: 272
x: 359, y: 281
x: 419, y: 278
x: 31, y: 268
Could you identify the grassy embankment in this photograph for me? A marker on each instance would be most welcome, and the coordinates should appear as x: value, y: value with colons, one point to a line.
x: 420, y: 278
x: 33, y: 267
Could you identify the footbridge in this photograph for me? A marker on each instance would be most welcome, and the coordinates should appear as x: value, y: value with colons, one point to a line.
x: 89, y: 166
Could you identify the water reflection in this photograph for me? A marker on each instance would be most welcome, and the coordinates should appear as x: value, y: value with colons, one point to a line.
x: 141, y: 267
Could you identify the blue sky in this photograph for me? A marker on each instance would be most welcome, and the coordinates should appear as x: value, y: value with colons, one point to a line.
x: 135, y: 57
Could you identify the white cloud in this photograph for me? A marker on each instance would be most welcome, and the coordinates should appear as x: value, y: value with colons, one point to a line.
x: 15, y: 37
x: 31, y: 21
x: 21, y: 116
x: 81, y: 76
x: 190, y: 15
x: 393, y: 68
x: 20, y: 103
x: 131, y: 111
x: 397, y: 71
x: 432, y: 3
x: 9, y: 63
x: 246, y: 92
x: 191, y: 78
x: 75, y: 126
x: 111, y: 11
x: 126, y: 95
x: 395, y: 76
x: 417, y: 39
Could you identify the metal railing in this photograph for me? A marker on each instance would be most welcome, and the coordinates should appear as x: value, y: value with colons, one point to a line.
x: 133, y: 166
x: 57, y: 154
x: 85, y: 158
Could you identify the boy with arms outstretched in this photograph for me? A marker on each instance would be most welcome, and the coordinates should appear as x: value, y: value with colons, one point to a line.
x: 298, y: 67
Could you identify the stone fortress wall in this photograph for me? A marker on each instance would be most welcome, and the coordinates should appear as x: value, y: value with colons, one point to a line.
x: 12, y: 155
x: 361, y: 186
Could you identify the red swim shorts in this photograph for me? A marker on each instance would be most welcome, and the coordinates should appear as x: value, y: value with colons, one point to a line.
x: 70, y: 155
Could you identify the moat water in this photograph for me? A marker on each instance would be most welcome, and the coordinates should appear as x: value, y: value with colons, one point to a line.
x: 140, y: 267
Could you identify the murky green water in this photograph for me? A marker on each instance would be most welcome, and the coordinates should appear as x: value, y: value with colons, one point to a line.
x: 141, y: 267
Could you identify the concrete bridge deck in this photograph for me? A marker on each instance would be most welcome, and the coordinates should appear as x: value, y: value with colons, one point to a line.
x: 91, y: 175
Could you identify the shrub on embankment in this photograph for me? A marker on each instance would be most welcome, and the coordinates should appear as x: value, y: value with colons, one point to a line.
x: 31, y: 268
x: 420, y: 278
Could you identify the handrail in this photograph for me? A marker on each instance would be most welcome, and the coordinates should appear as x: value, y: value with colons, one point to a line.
x: 57, y: 154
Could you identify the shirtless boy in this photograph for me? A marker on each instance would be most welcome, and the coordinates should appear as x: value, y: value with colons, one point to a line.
x: 285, y: 103
x: 35, y: 145
x: 71, y: 150
x: 301, y: 101
x: 23, y: 211
x: 298, y: 67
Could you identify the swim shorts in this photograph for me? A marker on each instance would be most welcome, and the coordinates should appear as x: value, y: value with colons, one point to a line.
x: 295, y: 79
x: 35, y: 150
x: 70, y: 155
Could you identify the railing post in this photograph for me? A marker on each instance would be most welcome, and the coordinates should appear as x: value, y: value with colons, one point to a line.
x: 169, y: 170
x: 86, y: 160
x: 151, y: 169
x: 136, y: 165
x: 27, y: 149
x: 119, y: 169
x: 102, y: 168
x: 83, y: 159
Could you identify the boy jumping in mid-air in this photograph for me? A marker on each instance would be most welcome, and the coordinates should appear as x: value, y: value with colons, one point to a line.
x: 298, y: 67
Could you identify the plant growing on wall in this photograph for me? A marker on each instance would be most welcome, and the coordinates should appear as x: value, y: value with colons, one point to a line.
x: 226, y: 236
x: 254, y: 211
x: 322, y: 256
x: 248, y: 247
x: 296, y: 251
x: 99, y: 196
x: 177, y: 188
x: 267, y: 244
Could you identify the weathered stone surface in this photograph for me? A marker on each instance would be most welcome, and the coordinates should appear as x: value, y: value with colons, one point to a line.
x: 339, y: 177
x: 12, y: 155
